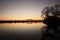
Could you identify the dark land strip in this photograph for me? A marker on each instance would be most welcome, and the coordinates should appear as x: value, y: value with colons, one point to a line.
x: 20, y: 21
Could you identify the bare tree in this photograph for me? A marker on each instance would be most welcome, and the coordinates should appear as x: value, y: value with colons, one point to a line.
x: 45, y: 12
x: 57, y: 9
x: 54, y: 10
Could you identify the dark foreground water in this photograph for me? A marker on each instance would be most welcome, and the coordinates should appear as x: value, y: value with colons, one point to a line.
x: 21, y: 31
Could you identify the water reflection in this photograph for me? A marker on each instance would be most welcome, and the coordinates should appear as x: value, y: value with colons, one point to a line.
x: 21, y: 31
x: 21, y: 26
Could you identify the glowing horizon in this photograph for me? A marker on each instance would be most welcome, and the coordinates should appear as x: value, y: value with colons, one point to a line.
x: 20, y: 18
x: 24, y: 9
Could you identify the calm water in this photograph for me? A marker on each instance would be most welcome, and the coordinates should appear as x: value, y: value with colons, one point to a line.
x: 21, y: 30
x: 21, y: 26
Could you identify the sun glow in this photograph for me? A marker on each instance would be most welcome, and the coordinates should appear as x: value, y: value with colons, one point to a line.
x: 20, y: 18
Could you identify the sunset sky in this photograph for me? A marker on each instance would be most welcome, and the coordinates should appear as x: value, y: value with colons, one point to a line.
x: 23, y: 9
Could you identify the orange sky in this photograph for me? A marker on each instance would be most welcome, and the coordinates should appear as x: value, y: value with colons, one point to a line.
x: 20, y: 18
x: 21, y: 10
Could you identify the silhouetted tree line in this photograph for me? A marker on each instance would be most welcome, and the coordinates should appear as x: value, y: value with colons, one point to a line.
x: 52, y: 20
